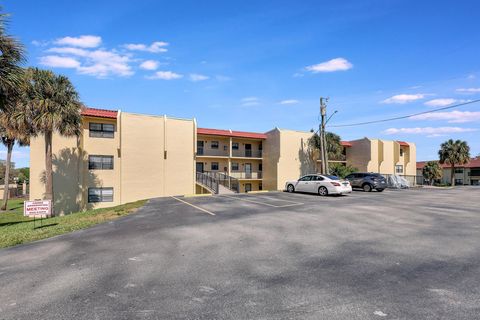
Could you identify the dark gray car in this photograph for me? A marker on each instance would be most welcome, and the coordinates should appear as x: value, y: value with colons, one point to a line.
x: 367, y: 181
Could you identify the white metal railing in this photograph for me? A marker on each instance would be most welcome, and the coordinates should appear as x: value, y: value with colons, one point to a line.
x: 247, y: 153
x: 247, y: 175
x: 212, y: 152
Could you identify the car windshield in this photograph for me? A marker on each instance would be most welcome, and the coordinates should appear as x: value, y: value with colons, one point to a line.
x: 333, y: 177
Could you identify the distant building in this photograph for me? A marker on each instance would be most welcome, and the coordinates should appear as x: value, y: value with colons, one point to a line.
x: 467, y: 174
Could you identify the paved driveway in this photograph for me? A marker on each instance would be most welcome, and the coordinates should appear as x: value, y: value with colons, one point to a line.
x: 394, y: 255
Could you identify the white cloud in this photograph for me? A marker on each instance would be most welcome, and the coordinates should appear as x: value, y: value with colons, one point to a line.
x: 289, y: 101
x: 404, y: 98
x: 82, y: 41
x: 100, y: 63
x: 451, y: 117
x: 149, y: 65
x: 198, y: 77
x: 468, y: 90
x: 155, y: 47
x: 250, y: 101
x: 428, y: 130
x: 165, y: 75
x: 440, y: 102
x: 59, y: 62
x: 337, y: 64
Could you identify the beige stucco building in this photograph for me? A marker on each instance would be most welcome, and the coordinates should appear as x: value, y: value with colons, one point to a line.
x: 120, y: 157
x: 123, y: 157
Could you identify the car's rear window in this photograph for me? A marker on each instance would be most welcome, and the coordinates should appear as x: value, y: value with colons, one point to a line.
x: 333, y: 177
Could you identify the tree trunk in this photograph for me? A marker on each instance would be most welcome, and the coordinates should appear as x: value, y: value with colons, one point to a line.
x: 7, y: 174
x: 452, y: 175
x: 48, y: 168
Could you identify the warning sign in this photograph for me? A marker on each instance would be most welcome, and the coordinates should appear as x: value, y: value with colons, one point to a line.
x: 37, y: 208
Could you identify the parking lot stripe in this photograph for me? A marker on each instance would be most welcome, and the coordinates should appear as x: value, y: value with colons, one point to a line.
x: 192, y: 205
x: 266, y: 204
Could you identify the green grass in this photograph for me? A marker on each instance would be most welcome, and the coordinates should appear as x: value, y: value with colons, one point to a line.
x: 16, y: 229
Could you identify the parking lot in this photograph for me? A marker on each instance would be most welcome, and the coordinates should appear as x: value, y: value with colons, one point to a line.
x: 399, y: 254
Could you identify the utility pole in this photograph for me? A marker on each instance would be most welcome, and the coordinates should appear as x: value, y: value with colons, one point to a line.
x: 323, y: 139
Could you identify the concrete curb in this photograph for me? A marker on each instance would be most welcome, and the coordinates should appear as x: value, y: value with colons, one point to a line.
x: 197, y: 195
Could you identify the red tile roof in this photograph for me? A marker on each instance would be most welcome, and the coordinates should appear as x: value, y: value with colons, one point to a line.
x: 99, y: 113
x: 474, y: 163
x: 403, y: 143
x: 346, y: 143
x: 230, y: 133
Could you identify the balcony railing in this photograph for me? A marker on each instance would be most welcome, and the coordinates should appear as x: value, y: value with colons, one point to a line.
x: 247, y: 153
x: 212, y: 152
x: 247, y: 175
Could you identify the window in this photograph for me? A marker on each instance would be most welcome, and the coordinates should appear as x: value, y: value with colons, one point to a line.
x: 235, y: 146
x: 260, y: 147
x: 317, y: 178
x: 234, y: 166
x: 458, y: 170
x: 248, y: 187
x: 100, y: 195
x: 306, y: 178
x: 398, y: 169
x: 101, y: 130
x: 100, y: 162
x: 214, y: 144
x: 214, y: 166
x: 459, y: 181
x: 401, y: 152
x: 260, y: 167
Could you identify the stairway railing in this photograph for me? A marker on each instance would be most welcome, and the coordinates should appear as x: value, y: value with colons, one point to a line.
x: 208, y: 181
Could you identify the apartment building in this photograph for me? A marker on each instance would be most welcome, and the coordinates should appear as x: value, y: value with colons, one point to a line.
x: 466, y: 174
x: 382, y: 156
x: 233, y: 154
x: 122, y: 157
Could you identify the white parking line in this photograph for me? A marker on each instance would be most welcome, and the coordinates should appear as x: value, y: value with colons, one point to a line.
x: 266, y: 204
x: 192, y: 205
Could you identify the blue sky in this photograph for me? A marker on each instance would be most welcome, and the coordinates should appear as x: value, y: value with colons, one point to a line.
x: 255, y: 65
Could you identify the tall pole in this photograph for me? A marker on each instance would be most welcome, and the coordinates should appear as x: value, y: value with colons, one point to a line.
x: 323, y: 148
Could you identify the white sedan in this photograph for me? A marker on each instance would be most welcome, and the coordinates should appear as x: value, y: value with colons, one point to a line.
x: 318, y: 183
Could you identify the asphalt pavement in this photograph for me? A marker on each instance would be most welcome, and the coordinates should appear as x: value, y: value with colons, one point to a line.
x: 399, y: 254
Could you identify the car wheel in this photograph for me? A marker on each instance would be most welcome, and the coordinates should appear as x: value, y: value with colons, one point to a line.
x: 367, y: 188
x: 380, y: 190
x: 322, y: 191
x: 290, y: 188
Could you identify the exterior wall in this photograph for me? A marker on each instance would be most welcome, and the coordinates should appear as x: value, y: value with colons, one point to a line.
x: 287, y: 151
x: 359, y: 155
x: 157, y: 157
x: 152, y: 157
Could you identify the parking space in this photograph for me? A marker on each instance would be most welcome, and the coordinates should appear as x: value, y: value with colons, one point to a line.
x: 399, y: 254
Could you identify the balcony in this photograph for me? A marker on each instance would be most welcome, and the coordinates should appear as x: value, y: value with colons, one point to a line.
x: 247, y: 175
x: 202, y: 152
x: 247, y: 153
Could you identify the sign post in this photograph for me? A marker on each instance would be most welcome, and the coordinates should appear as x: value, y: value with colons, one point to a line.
x: 37, y: 209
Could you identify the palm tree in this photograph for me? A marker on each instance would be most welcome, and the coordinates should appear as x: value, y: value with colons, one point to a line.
x: 11, y: 57
x: 54, y: 108
x: 11, y: 132
x: 334, y: 145
x: 432, y: 171
x: 454, y: 153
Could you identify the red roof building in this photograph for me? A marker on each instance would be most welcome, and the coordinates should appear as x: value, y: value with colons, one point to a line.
x: 230, y: 133
x: 473, y: 163
x: 99, y: 113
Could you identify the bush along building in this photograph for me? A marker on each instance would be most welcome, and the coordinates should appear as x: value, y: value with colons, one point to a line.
x: 122, y: 157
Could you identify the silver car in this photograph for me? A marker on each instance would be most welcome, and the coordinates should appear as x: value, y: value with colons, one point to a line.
x: 318, y: 183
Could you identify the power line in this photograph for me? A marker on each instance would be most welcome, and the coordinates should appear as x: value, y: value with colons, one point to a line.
x: 404, y: 117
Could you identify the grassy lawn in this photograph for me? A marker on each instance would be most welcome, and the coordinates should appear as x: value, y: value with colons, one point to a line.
x: 16, y: 229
